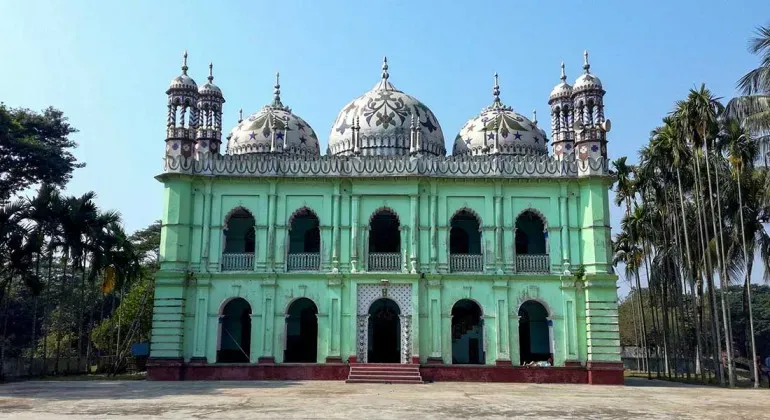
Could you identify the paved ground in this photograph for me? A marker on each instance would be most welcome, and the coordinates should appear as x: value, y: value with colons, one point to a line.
x: 328, y: 400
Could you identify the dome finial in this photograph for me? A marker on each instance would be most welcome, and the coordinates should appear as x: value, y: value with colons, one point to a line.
x: 586, y: 66
x: 385, y: 74
x: 184, y: 62
x: 277, y: 90
x: 211, y: 72
x: 240, y: 115
x: 496, y: 92
x: 534, y: 116
x: 563, y: 73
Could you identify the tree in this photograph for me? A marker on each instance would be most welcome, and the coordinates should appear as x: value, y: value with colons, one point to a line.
x: 753, y: 109
x: 34, y: 148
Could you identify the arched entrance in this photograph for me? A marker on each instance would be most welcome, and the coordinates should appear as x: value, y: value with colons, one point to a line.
x: 301, y: 332
x: 235, y: 332
x: 384, y: 332
x: 534, y: 334
x: 467, y: 333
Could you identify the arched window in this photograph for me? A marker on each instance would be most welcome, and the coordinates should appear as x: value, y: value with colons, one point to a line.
x: 301, y: 332
x: 467, y: 333
x: 235, y: 332
x: 304, y: 241
x: 531, y: 244
x: 534, y: 333
x: 239, y: 241
x: 465, y: 243
x: 384, y: 241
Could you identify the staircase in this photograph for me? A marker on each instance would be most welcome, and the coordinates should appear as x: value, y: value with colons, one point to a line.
x: 384, y: 373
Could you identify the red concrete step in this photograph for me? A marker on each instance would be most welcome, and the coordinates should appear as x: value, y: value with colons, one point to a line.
x: 384, y: 373
x: 379, y: 381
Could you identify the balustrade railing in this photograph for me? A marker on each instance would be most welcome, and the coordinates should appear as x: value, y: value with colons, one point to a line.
x: 466, y: 263
x: 238, y: 261
x: 533, y: 263
x: 305, y: 261
x: 384, y: 261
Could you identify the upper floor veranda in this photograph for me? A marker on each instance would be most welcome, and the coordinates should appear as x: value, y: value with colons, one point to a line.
x: 345, y: 224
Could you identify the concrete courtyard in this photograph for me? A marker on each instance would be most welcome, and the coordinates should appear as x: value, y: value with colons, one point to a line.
x: 330, y: 400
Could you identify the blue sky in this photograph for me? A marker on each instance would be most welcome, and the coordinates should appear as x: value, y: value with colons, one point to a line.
x: 106, y: 64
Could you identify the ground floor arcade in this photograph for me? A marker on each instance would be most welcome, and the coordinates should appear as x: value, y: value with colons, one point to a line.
x: 455, y: 327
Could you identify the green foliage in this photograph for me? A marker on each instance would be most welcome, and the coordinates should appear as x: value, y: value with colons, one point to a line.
x: 34, y: 148
x: 104, y: 335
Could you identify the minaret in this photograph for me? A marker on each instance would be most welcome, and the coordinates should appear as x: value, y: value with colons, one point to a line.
x: 590, y: 125
x: 562, y: 133
x: 182, y: 114
x: 210, y: 101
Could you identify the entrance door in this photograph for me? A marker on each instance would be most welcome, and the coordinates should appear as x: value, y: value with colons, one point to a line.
x: 384, y: 332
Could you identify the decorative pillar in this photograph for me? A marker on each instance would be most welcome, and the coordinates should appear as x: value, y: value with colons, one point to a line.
x: 207, y: 206
x: 513, y: 251
x: 569, y: 295
x: 406, y: 338
x: 403, y: 236
x: 362, y: 349
x: 503, y: 330
x: 434, y: 320
x: 268, y: 320
x: 516, y: 347
x: 499, y: 233
x: 354, y: 234
x: 433, y: 222
x: 201, y: 320
x: 336, y: 229
x: 335, y: 320
x: 415, y: 230
x: 565, y: 245
x: 271, y: 205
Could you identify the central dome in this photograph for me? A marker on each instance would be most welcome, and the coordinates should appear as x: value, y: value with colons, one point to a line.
x: 383, y: 117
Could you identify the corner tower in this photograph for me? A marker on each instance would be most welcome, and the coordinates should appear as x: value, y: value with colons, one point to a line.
x: 182, y: 118
x: 590, y: 125
x: 208, y: 136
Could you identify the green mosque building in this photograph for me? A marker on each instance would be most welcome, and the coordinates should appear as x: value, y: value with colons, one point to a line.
x: 384, y: 259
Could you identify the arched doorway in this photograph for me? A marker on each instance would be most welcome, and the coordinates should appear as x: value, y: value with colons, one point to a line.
x: 534, y: 334
x: 304, y: 241
x: 301, y: 332
x: 467, y: 333
x: 384, y: 242
x: 235, y: 332
x: 239, y: 241
x: 384, y: 332
x: 531, y: 241
x: 465, y: 243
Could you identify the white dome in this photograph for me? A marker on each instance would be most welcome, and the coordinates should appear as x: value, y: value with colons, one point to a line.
x: 587, y: 80
x: 563, y: 89
x: 514, y: 133
x: 274, y: 122
x: 183, y: 82
x: 384, y: 116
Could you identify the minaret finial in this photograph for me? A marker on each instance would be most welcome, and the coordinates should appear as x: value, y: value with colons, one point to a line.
x: 496, y: 92
x: 211, y: 72
x: 184, y: 62
x: 240, y: 115
x: 586, y: 66
x: 385, y: 74
x: 563, y: 73
x: 534, y: 116
x: 277, y: 90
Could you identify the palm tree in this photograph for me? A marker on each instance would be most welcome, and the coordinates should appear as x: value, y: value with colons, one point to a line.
x: 624, y: 194
x: 753, y: 109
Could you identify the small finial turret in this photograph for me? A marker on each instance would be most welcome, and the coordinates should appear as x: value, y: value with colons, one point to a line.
x: 385, y: 74
x: 413, y: 125
x: 211, y: 72
x: 496, y: 92
x: 240, y: 115
x: 534, y: 116
x: 586, y: 66
x: 184, y: 62
x: 563, y: 73
x: 277, y: 90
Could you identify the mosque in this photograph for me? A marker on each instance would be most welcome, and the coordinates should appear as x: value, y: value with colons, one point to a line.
x: 384, y: 259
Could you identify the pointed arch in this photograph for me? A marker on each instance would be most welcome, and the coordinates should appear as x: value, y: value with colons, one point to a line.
x: 470, y: 211
x: 464, y: 238
x: 234, y: 212
x: 384, y: 209
x: 304, y: 210
x: 239, y: 240
x: 535, y: 332
x: 536, y: 212
x: 467, y: 332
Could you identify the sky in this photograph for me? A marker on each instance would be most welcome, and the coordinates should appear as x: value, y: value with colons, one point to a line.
x: 107, y: 64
